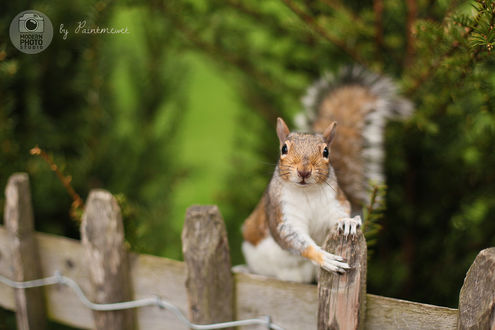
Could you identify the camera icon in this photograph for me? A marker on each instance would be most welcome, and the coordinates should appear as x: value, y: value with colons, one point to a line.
x: 31, y: 22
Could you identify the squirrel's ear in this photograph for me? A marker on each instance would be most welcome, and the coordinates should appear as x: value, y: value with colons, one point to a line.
x: 329, y: 133
x: 282, y: 130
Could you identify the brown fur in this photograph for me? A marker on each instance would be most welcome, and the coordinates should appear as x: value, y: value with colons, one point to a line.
x: 312, y: 254
x: 255, y: 227
x: 264, y: 220
x: 343, y: 200
x: 304, y: 163
x: 304, y: 153
x: 347, y: 106
x: 300, y: 145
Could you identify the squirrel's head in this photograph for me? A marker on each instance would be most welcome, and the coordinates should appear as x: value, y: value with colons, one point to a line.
x: 304, y: 158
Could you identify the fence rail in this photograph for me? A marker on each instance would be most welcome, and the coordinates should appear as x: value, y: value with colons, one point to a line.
x: 151, y: 301
x: 290, y: 305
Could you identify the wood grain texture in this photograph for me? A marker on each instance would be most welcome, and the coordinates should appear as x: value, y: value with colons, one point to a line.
x: 209, y: 284
x: 68, y: 257
x: 30, y: 303
x: 102, y: 234
x: 477, y: 297
x: 165, y: 278
x: 291, y: 305
x: 389, y: 313
x: 151, y: 276
x: 7, y: 299
x: 342, y: 298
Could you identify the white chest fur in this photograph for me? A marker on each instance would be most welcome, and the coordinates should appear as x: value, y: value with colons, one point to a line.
x: 311, y: 209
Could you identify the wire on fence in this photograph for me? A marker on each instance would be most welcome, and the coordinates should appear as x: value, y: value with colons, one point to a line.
x: 58, y: 278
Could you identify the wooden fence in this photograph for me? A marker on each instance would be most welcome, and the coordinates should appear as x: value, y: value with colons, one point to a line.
x: 204, y: 287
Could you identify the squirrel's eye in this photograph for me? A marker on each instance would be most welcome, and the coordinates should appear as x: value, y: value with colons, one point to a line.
x: 284, y: 149
x: 325, y: 152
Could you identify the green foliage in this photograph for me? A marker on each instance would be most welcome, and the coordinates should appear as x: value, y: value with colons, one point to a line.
x: 112, y: 112
x: 438, y: 164
x: 373, y: 213
x: 106, y: 108
x: 481, y: 25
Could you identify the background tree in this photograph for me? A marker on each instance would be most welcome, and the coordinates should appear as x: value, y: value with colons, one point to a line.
x: 112, y: 112
x: 439, y: 164
x: 106, y: 109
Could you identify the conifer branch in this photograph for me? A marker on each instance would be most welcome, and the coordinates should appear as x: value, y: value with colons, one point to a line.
x: 339, y: 6
x: 431, y: 70
x: 469, y: 29
x: 77, y: 203
x: 412, y: 10
x: 378, y: 12
x: 217, y: 52
x: 371, y: 204
x: 319, y: 30
x: 372, y: 213
x: 268, y: 21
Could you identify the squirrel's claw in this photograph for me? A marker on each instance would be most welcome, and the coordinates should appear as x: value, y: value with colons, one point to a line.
x: 353, y: 230
x: 347, y: 228
x: 349, y: 225
x: 334, y: 263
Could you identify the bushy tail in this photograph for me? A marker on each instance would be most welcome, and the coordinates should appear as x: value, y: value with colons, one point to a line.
x: 361, y: 102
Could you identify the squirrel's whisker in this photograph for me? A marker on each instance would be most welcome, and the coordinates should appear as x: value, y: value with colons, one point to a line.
x: 292, y: 217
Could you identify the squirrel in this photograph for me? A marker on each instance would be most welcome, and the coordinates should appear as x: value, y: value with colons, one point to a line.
x: 322, y: 178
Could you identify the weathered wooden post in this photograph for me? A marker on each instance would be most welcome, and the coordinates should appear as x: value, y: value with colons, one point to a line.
x: 342, y: 297
x: 477, y: 297
x: 206, y: 252
x: 102, y: 234
x: 18, y: 217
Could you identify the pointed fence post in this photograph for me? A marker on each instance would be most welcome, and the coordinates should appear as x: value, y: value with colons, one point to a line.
x: 477, y: 297
x: 102, y: 234
x: 206, y: 252
x: 18, y: 217
x: 342, y: 298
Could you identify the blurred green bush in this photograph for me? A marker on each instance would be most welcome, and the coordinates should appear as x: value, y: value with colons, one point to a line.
x: 182, y: 109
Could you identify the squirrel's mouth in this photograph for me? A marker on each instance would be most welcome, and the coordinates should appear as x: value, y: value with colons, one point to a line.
x: 306, y: 182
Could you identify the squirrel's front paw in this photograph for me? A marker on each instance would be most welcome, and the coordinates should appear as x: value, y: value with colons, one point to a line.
x: 349, y: 225
x: 333, y: 263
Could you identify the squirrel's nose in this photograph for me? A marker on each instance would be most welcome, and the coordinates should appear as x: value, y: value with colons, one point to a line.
x: 304, y: 174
